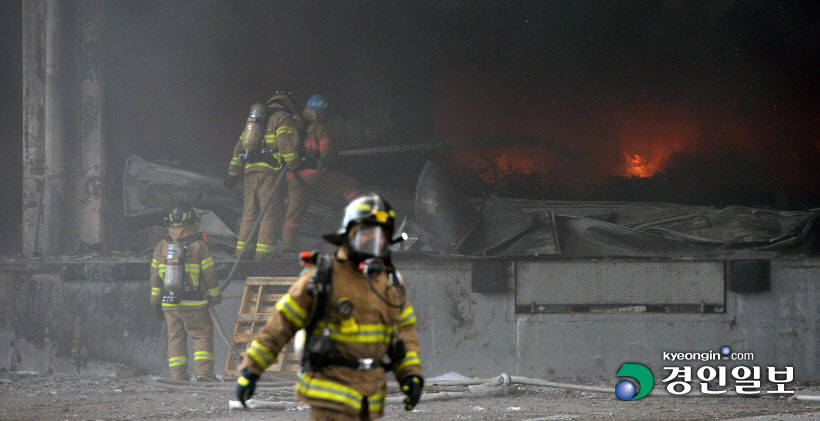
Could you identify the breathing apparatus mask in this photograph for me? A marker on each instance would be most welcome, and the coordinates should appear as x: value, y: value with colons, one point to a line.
x: 369, y: 241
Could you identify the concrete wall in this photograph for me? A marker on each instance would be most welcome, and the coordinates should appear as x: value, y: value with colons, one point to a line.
x: 470, y: 333
x: 479, y: 334
x: 71, y: 326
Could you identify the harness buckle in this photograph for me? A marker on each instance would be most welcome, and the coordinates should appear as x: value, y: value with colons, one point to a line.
x: 365, y: 363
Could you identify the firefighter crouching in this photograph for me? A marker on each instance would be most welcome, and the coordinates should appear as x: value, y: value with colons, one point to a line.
x: 314, y: 173
x: 353, y: 305
x: 260, y: 159
x: 183, y: 284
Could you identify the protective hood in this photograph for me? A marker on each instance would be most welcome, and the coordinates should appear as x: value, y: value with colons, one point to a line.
x: 178, y: 233
x: 311, y: 115
x: 284, y: 100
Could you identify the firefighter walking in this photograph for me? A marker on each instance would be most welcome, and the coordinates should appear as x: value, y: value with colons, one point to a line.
x: 353, y: 305
x: 260, y: 159
x: 314, y: 174
x: 183, y: 284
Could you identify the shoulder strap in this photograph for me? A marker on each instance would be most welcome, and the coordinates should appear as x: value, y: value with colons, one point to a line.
x: 320, y: 286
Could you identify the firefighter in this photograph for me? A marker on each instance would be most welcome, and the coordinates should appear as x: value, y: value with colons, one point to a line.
x: 314, y: 174
x: 261, y: 164
x: 353, y: 305
x: 183, y: 284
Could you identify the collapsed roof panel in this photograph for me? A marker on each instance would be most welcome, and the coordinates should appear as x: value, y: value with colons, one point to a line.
x: 441, y: 208
x: 150, y: 187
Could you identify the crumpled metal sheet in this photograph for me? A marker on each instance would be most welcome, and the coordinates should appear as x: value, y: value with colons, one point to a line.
x: 584, y: 237
x: 150, y: 187
x: 499, y: 223
x: 737, y: 227
x: 216, y: 229
x: 442, y: 209
x: 445, y: 214
x: 741, y: 231
x: 418, y: 239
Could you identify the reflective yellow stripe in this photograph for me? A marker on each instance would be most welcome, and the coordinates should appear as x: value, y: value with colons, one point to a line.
x: 156, y: 291
x: 292, y: 311
x: 366, y: 333
x: 240, y: 245
x: 193, y: 270
x: 376, y: 402
x: 289, y: 156
x: 154, y: 263
x: 186, y: 304
x: 207, y: 263
x: 407, y: 317
x: 203, y: 355
x: 261, y: 354
x: 214, y: 292
x: 332, y: 391
x: 260, y: 164
x: 235, y: 161
x: 411, y: 358
x: 285, y: 130
x: 266, y: 248
x: 173, y: 362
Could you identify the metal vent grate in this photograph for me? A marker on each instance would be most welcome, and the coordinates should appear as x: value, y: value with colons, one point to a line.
x: 608, y: 283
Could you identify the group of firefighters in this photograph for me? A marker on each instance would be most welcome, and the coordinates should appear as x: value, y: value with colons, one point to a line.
x: 299, y: 144
x: 352, y: 304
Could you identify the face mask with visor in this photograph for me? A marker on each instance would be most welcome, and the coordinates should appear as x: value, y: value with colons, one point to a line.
x: 370, y: 241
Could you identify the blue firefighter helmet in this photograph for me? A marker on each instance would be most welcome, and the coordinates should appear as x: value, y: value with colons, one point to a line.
x: 319, y: 103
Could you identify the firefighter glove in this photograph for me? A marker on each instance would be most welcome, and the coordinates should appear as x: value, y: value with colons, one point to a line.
x: 158, y: 311
x: 411, y: 386
x: 245, y: 386
x: 230, y: 182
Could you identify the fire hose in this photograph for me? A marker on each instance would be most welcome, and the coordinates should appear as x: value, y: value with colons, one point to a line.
x: 482, y: 388
x: 256, y: 225
x: 228, y: 280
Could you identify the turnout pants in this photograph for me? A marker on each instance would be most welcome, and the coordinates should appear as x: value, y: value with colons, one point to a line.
x: 319, y: 414
x: 258, y: 185
x: 198, y: 324
x: 299, y: 195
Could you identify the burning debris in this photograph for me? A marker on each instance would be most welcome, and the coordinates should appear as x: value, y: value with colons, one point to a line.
x: 440, y: 219
x: 449, y: 224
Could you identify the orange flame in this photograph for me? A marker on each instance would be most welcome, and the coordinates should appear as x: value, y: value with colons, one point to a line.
x: 650, y: 141
x: 637, y: 166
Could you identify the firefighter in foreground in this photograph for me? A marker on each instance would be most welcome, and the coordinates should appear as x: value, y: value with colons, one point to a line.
x: 260, y: 158
x: 317, y: 154
x: 353, y: 305
x: 183, y: 284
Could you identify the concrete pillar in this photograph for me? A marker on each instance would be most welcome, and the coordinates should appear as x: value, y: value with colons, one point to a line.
x: 90, y: 182
x: 34, y: 18
x: 63, y: 147
x: 57, y: 119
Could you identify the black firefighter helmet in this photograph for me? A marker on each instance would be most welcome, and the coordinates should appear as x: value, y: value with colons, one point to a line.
x: 368, y: 209
x: 182, y: 215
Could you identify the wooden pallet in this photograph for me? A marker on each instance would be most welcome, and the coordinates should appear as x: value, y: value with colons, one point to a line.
x: 258, y: 301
